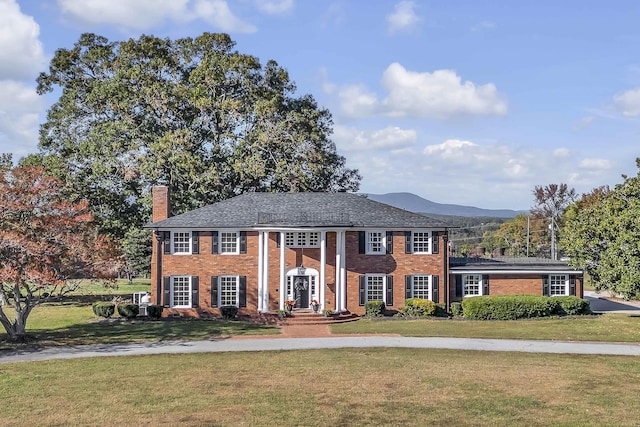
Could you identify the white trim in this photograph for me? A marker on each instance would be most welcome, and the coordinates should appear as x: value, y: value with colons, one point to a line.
x: 480, y: 285
x: 189, y: 243
x: 237, y: 293
x: 323, y: 269
x: 429, y: 285
x: 368, y: 243
x: 171, y: 295
x: 384, y: 286
x: 566, y: 285
x: 283, y: 277
x: 260, y: 270
x: 220, y: 233
x: 523, y: 272
x: 429, y: 242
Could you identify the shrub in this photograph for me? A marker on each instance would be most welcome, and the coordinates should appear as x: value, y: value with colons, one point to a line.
x: 229, y: 311
x: 283, y: 313
x: 328, y: 312
x: 571, y: 306
x: 129, y: 311
x: 154, y: 311
x: 507, y: 307
x: 104, y: 309
x: 441, y: 310
x: 418, y: 307
x: 456, y: 309
x: 375, y: 308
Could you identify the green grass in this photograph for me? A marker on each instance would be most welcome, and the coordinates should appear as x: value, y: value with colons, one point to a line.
x: 607, y: 327
x: 355, y: 387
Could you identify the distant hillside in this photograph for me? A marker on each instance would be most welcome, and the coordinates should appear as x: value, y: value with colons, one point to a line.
x: 413, y: 203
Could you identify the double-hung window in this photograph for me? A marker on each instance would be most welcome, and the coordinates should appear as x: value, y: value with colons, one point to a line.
x: 558, y: 285
x: 181, y: 242
x: 229, y: 242
x: 472, y: 285
x: 228, y: 290
x: 376, y: 242
x: 180, y: 291
x: 421, y: 242
x: 376, y: 287
x: 421, y: 286
x: 302, y: 239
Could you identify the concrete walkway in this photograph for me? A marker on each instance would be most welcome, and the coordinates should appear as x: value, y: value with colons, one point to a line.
x: 280, y: 344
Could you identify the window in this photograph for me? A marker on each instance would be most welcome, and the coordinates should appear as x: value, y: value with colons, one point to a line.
x: 420, y: 286
x: 181, y: 292
x: 302, y: 239
x: 421, y: 242
x: 375, y: 242
x: 228, y: 290
x: 229, y: 242
x: 472, y: 285
x: 181, y: 242
x: 376, y: 287
x: 558, y: 285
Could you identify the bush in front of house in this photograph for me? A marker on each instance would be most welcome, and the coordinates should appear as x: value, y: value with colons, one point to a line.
x: 418, y: 307
x: 375, y: 308
x: 129, y: 311
x: 441, y: 310
x: 571, y: 306
x: 456, y: 309
x: 104, y: 309
x: 507, y: 307
x: 229, y: 311
x: 154, y: 311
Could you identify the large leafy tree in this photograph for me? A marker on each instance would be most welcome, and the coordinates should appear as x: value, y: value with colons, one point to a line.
x: 193, y: 114
x: 601, y: 233
x: 44, y: 241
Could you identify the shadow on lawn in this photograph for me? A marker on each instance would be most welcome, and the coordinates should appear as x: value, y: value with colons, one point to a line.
x: 122, y: 331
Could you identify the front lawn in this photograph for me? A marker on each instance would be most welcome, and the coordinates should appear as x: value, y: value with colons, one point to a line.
x: 609, y: 327
x: 354, y: 387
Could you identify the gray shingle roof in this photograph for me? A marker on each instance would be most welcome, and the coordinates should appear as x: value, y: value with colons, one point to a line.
x: 299, y: 210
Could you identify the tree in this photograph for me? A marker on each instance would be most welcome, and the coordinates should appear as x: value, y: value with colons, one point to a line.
x: 192, y: 114
x: 136, y: 253
x: 550, y: 203
x: 44, y: 240
x: 601, y: 234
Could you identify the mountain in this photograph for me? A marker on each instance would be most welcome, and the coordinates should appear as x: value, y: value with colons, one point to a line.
x: 413, y: 203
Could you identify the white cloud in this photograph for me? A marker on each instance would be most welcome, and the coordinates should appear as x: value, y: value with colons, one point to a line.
x: 274, y: 7
x: 146, y: 14
x: 628, y: 103
x: 403, y: 18
x: 440, y: 94
x: 561, y: 152
x: 585, y: 122
x: 21, y: 53
x: 20, y: 107
x: 483, y: 26
x: 600, y: 164
x: 451, y: 148
x: 389, y: 138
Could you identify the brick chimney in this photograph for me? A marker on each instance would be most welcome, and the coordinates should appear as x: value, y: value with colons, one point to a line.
x: 161, y: 208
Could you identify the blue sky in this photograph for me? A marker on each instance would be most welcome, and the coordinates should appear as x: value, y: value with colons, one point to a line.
x: 469, y: 102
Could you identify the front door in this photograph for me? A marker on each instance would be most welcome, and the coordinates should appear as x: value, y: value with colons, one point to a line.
x: 301, y: 291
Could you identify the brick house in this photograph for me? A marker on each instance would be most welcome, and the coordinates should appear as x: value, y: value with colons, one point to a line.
x: 259, y: 250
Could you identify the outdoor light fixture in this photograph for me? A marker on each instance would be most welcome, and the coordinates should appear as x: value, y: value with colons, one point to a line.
x: 301, y: 270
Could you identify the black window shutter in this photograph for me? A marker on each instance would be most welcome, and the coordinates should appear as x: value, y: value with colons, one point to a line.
x: 458, y: 286
x: 166, y: 291
x: 214, y: 242
x: 408, y: 286
x: 195, y: 291
x: 214, y: 291
x: 435, y: 242
x: 243, y: 242
x: 407, y: 242
x: 362, y: 242
x: 389, y: 242
x: 389, y: 298
x: 435, y: 289
x: 485, y: 285
x: 166, y: 242
x: 545, y: 286
x: 242, y: 292
x: 195, y: 242
x: 362, y: 283
x: 572, y: 285
x: 277, y: 239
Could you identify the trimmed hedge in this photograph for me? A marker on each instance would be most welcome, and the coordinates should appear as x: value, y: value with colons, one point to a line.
x: 507, y: 307
x: 375, y: 308
x: 229, y: 311
x: 511, y: 307
x: 572, y: 306
x: 154, y: 311
x: 104, y: 309
x: 441, y: 310
x: 418, y: 307
x: 456, y: 309
x: 129, y: 311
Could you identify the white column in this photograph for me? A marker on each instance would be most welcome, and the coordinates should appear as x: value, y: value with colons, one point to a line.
x: 343, y: 271
x: 323, y: 265
x: 260, y: 270
x: 265, y: 274
x: 283, y: 276
x: 338, y: 264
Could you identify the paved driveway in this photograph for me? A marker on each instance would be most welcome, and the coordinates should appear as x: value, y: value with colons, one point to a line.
x: 600, y: 303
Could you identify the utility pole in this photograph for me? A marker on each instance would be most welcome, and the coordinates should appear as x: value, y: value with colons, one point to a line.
x: 528, y: 231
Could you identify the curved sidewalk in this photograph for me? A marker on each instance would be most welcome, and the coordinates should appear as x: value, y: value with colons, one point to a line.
x: 280, y: 344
